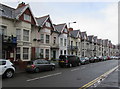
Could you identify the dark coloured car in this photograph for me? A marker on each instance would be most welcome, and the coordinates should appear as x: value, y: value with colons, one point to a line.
x: 100, y: 58
x: 94, y: 59
x: 83, y: 60
x: 39, y: 65
x: 68, y: 61
x: 91, y: 60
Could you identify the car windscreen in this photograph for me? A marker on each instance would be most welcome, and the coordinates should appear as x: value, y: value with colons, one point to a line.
x: 71, y: 57
x: 2, y: 62
x: 82, y: 58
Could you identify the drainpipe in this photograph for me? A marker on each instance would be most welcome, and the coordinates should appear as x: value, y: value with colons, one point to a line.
x: 0, y: 46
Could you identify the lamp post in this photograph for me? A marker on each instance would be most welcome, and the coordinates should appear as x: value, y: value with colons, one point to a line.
x: 70, y: 23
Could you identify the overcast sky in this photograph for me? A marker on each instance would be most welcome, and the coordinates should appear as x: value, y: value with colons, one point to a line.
x: 96, y: 18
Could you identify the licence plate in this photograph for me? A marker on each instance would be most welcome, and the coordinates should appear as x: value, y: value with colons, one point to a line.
x: 61, y: 61
x: 28, y: 66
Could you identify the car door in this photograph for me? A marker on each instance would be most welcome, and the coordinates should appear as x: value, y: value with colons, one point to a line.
x: 47, y: 65
x: 2, y: 67
x: 40, y: 64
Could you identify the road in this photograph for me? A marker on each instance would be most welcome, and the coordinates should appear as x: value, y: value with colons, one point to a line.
x: 62, y: 77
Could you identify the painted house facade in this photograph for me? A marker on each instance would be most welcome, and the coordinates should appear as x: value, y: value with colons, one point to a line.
x: 84, y: 44
x: 62, y: 37
x: 91, y: 45
x: 42, y: 38
x: 74, y: 43
x: 19, y: 23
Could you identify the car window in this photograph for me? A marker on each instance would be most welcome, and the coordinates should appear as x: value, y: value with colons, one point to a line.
x: 40, y: 62
x: 45, y: 62
x: 2, y: 62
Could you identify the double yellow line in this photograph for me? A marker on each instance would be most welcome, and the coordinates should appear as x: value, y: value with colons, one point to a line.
x: 98, y: 78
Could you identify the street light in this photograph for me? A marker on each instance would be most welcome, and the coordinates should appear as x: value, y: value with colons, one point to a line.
x: 70, y: 23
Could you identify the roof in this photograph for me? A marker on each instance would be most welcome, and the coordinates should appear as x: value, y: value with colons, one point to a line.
x: 83, y: 34
x: 59, y: 27
x: 13, y: 13
x: 6, y: 11
x: 90, y: 38
x: 95, y: 39
x: 41, y: 20
x: 74, y: 33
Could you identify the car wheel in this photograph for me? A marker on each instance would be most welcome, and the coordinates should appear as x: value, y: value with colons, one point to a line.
x: 37, y: 70
x: 53, y: 68
x: 70, y: 65
x: 79, y: 64
x: 9, y: 73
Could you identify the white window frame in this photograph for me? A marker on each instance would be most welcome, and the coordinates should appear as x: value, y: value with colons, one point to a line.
x: 42, y: 38
x: 26, y: 35
x: 48, y: 24
x: 26, y: 53
x: 61, y: 41
x: 27, y: 17
x: 18, y: 34
x: 48, y: 40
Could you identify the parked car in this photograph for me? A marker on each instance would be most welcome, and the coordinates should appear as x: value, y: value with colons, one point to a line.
x: 39, y: 65
x: 104, y: 58
x: 87, y: 60
x: 68, y: 61
x: 7, y: 69
x: 82, y: 60
x: 94, y: 59
x: 100, y: 58
x: 91, y: 60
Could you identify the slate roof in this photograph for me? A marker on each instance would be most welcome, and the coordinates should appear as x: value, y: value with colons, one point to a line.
x: 12, y: 13
x: 74, y: 33
x: 41, y: 20
x: 59, y: 27
x: 99, y: 41
x: 6, y: 11
x: 90, y: 38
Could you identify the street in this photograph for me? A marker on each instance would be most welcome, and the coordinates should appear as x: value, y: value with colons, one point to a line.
x: 63, y: 77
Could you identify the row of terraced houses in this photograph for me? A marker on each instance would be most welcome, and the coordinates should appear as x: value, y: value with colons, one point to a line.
x: 26, y: 37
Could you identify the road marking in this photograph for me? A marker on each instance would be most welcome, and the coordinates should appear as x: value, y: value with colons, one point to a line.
x: 44, y: 77
x: 98, y: 78
x: 82, y: 67
x: 75, y: 69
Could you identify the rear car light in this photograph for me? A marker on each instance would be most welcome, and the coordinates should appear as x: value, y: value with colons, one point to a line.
x: 33, y: 66
x: 66, y: 61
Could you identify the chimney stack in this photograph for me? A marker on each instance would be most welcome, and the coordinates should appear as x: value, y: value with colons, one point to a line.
x: 70, y: 29
x: 21, y: 5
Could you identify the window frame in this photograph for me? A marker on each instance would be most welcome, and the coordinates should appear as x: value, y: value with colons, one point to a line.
x: 27, y: 17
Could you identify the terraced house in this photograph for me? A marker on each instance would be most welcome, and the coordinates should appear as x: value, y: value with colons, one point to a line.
x: 62, y: 36
x: 42, y: 38
x: 18, y: 22
x: 74, y: 42
x: 84, y: 44
x: 26, y: 37
x: 91, y: 45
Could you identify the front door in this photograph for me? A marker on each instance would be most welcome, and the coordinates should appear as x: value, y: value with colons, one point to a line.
x: 54, y: 54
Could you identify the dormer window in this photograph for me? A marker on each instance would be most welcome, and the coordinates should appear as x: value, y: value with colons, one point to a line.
x: 27, y: 17
x: 48, y: 24
x: 65, y: 30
